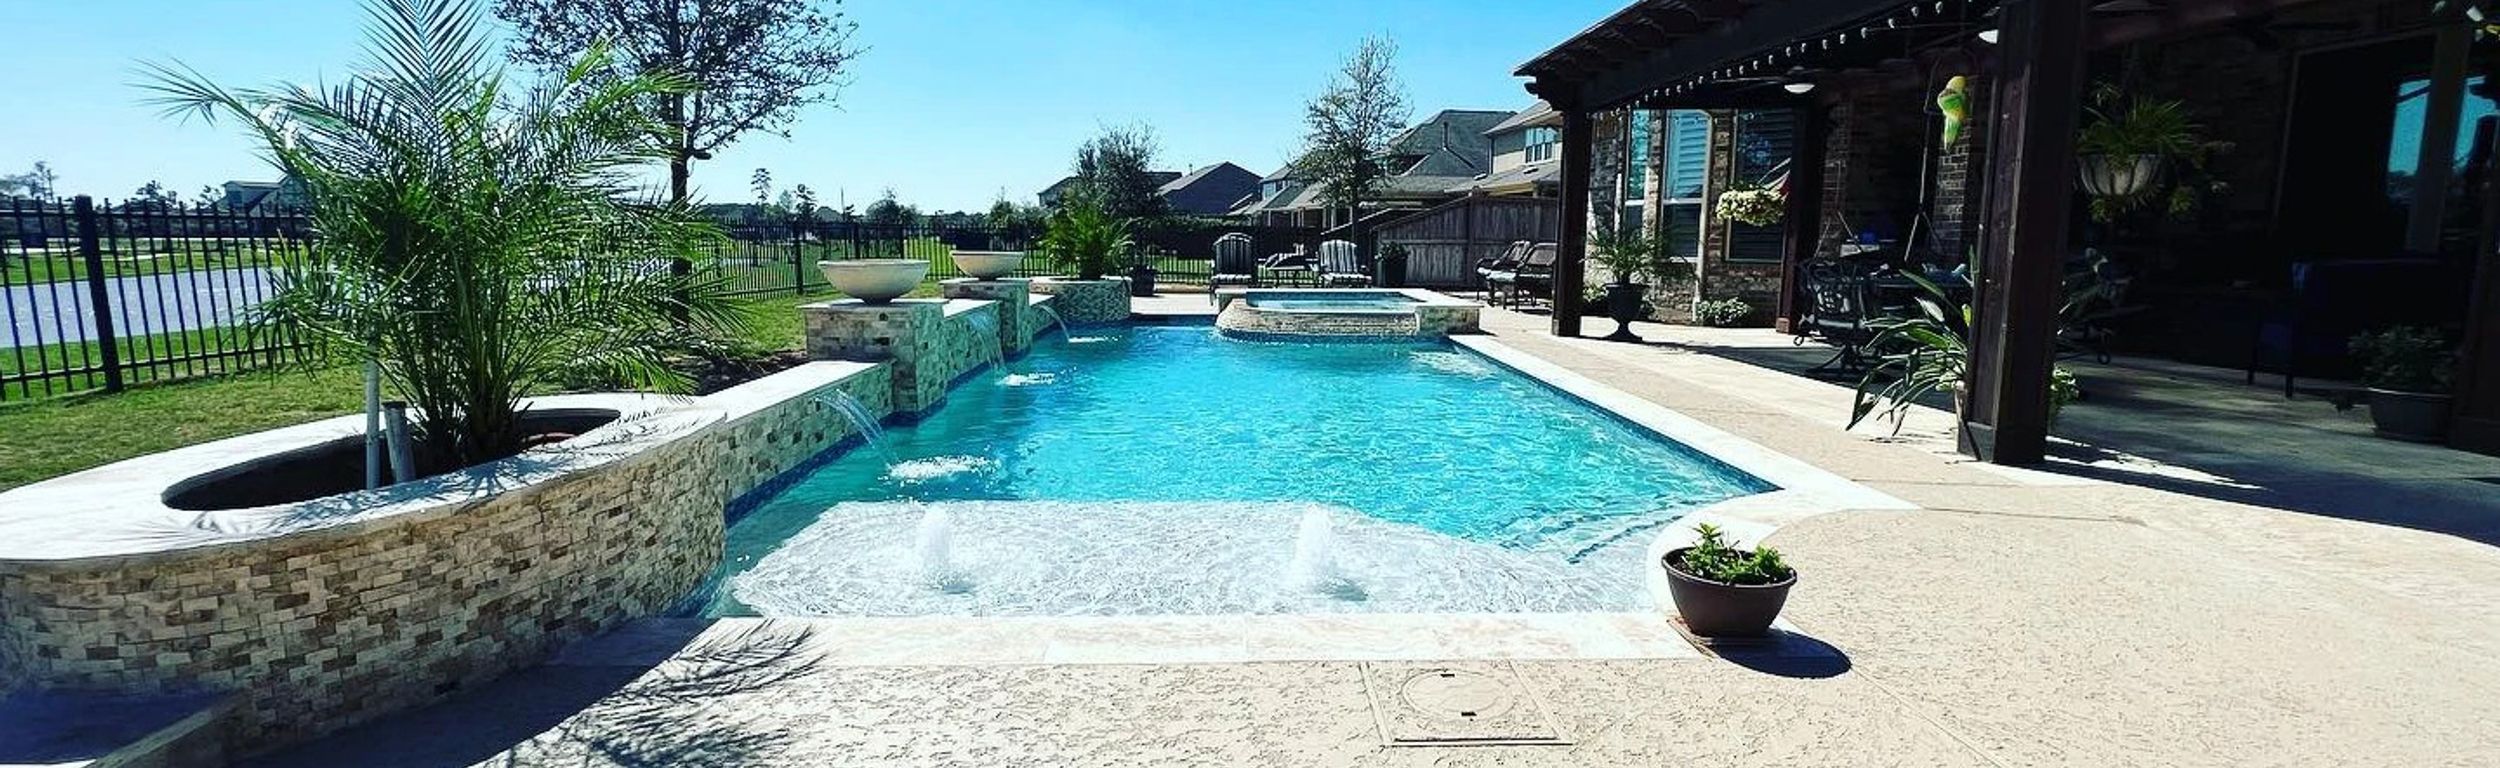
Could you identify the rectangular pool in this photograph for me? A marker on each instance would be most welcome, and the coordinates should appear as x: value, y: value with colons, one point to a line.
x: 1168, y: 470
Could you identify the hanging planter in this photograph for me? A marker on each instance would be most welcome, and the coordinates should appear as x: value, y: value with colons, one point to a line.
x: 1761, y: 207
x: 2106, y: 175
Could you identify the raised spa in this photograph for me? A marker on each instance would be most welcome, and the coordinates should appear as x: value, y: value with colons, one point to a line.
x: 1365, y: 313
x: 1170, y: 469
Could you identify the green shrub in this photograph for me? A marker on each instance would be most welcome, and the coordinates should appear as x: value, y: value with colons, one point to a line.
x: 2405, y: 359
x: 1711, y: 559
x: 1721, y: 313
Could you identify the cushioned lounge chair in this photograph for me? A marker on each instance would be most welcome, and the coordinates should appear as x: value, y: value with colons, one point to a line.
x: 1534, y: 274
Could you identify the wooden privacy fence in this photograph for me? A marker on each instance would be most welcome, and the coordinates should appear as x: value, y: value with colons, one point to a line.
x: 1444, y: 242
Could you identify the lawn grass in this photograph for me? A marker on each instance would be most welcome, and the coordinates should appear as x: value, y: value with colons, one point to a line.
x: 56, y: 436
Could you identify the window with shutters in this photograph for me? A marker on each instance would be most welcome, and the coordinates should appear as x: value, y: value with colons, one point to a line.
x: 1764, y: 141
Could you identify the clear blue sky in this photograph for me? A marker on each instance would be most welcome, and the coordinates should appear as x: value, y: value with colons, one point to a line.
x: 955, y: 100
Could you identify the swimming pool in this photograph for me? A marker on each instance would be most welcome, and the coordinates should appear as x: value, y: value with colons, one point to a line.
x: 1169, y: 470
x: 1351, y: 302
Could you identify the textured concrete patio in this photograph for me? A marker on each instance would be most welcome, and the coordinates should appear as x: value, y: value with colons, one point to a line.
x: 2206, y: 577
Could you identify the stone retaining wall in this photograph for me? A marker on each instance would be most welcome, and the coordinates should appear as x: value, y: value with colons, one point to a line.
x: 1087, y: 302
x: 432, y: 587
x: 926, y: 344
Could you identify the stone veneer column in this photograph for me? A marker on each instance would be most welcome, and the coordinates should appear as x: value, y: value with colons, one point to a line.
x: 1087, y: 302
x: 1606, y: 169
x: 925, y: 342
x: 1014, y: 301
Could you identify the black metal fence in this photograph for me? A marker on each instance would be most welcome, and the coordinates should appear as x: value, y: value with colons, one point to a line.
x: 97, y: 295
x: 781, y: 257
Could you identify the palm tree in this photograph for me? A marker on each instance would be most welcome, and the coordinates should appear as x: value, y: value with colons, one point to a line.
x: 472, y: 238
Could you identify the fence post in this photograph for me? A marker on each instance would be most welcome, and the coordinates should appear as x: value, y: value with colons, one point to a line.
x: 798, y: 258
x: 91, y: 248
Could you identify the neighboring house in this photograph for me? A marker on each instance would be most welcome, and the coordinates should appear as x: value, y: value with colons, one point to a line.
x: 1210, y: 191
x: 1051, y: 195
x: 266, y: 197
x: 1425, y: 164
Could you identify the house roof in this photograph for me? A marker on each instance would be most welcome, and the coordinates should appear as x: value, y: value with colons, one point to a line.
x: 1211, y: 190
x: 1539, y: 113
x: 1529, y: 175
x: 1451, y: 142
x: 1059, y: 187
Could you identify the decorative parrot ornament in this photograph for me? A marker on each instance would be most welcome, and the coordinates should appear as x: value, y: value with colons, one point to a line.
x: 1954, y: 102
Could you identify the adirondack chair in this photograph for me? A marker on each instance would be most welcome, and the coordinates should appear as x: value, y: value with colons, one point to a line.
x: 1340, y: 265
x: 1235, y: 265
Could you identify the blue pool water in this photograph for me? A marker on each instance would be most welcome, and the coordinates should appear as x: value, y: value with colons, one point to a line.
x: 1165, y: 469
x: 1336, y: 301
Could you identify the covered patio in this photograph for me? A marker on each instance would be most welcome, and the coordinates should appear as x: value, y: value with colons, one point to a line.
x: 2337, y: 184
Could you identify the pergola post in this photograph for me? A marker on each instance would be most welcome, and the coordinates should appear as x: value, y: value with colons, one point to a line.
x: 2040, y: 84
x: 1570, y: 257
x: 1804, y: 216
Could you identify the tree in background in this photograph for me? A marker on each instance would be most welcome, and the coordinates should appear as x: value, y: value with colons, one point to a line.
x: 153, y: 196
x: 1349, y: 126
x: 1117, y: 170
x: 803, y: 202
x: 753, y: 63
x: 889, y: 212
x: 763, y: 184
x: 44, y: 181
x: 209, y: 199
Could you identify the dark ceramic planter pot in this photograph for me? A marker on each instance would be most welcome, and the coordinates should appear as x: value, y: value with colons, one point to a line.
x: 1623, y: 305
x: 1712, y: 609
x: 2409, y: 416
x: 1141, y: 281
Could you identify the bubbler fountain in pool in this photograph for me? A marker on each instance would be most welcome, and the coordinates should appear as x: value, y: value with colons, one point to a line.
x: 933, y: 537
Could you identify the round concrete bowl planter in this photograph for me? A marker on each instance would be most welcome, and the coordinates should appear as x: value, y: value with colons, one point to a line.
x: 1719, y: 609
x: 988, y: 265
x: 2417, y: 417
x: 875, y: 281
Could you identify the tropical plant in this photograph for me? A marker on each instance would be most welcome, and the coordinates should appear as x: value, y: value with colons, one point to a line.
x: 475, y: 241
x: 1752, y: 205
x: 2405, y: 359
x: 1086, y: 239
x: 1721, y: 312
x: 1632, y: 255
x: 1920, y: 356
x: 1713, y: 559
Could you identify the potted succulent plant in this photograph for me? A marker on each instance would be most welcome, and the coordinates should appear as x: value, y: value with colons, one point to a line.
x: 1632, y: 257
x: 2406, y: 371
x: 1723, y: 591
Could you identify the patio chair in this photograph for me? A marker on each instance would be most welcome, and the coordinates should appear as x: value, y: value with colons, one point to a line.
x: 1340, y: 264
x: 1234, y: 264
x: 1840, y: 309
x: 1506, y: 261
x: 1288, y: 265
x: 1535, y: 271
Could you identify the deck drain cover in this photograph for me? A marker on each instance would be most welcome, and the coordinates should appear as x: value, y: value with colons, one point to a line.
x: 1422, y: 705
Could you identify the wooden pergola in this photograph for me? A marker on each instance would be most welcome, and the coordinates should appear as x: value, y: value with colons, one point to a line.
x: 1734, y: 54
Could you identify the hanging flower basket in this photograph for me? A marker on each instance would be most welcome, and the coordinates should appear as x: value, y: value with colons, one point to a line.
x: 2117, y: 175
x: 1757, y: 207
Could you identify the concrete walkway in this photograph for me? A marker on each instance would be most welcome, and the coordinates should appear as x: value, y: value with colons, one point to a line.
x: 2127, y: 607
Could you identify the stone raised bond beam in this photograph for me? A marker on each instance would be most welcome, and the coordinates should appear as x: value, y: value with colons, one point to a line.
x: 307, y: 617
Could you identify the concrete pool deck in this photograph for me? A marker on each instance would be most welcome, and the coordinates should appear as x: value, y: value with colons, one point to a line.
x: 2017, y: 618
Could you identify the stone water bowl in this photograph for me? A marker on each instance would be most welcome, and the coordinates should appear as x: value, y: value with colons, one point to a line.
x: 988, y: 265
x: 875, y: 281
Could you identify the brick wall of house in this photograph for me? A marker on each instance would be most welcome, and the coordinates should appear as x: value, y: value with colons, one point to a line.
x: 1717, y: 277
